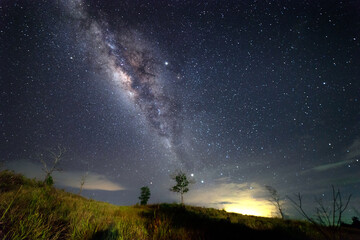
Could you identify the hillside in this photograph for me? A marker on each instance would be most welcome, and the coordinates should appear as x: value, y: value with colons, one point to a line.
x: 29, y: 210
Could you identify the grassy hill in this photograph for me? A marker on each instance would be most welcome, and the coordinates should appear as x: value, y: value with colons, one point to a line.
x: 29, y: 210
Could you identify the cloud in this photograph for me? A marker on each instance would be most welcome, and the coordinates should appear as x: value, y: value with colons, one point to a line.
x: 245, y: 198
x: 94, y: 181
x: 326, y: 167
x: 352, y: 155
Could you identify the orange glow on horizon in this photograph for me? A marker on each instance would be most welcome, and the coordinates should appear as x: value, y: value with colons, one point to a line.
x: 242, y: 198
x: 251, y: 207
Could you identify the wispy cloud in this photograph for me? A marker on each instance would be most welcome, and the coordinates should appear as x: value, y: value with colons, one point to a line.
x: 245, y: 198
x: 329, y: 166
x: 352, y: 155
x: 94, y: 181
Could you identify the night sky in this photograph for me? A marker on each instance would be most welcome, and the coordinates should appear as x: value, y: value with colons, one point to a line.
x: 238, y: 94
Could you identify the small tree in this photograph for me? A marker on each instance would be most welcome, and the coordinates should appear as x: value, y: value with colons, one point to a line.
x: 144, y: 195
x: 182, y: 184
x: 54, y: 156
x: 82, y: 182
x: 275, y: 200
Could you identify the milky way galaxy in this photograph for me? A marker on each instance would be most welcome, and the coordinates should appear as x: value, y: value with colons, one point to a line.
x: 131, y: 64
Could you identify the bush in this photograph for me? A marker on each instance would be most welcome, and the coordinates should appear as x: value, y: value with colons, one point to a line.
x: 10, y: 181
x: 49, y: 181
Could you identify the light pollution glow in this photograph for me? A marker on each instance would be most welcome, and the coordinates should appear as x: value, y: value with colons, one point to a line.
x: 250, y: 207
x: 234, y: 197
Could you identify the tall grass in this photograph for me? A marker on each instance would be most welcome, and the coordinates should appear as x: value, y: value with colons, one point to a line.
x: 30, y: 210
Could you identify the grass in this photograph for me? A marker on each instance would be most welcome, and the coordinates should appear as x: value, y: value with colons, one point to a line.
x: 30, y: 210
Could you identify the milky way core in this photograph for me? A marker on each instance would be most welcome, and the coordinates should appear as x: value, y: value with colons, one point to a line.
x: 131, y: 64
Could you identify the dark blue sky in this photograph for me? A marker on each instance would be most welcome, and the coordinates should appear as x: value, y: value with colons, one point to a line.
x: 241, y: 94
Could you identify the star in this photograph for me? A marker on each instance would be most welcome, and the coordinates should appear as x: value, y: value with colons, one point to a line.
x: 136, y: 97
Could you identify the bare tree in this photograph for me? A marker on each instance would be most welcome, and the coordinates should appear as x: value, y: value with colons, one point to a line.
x: 54, y: 156
x: 82, y: 182
x: 275, y: 200
x: 328, y: 219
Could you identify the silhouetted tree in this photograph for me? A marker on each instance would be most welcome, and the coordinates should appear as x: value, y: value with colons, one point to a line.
x: 275, y: 200
x: 144, y: 195
x: 327, y: 218
x: 54, y: 156
x: 182, y: 184
x: 355, y: 222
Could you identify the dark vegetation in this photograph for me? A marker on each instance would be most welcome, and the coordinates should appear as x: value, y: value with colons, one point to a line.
x: 30, y: 209
x: 144, y: 195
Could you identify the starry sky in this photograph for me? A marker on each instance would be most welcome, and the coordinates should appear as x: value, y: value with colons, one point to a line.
x: 238, y: 94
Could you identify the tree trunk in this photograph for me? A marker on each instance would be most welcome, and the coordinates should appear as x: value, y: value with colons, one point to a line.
x: 282, y: 214
x: 46, y: 177
x: 280, y: 211
x: 182, y: 199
